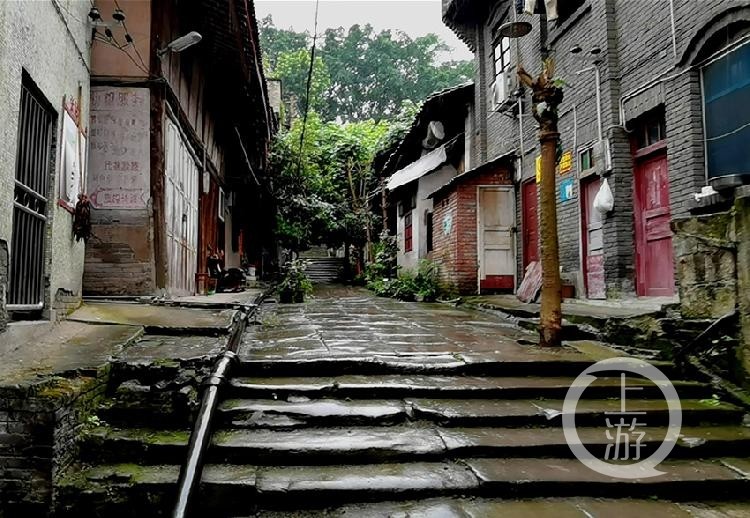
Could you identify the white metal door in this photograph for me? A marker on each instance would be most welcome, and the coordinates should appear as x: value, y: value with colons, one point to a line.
x: 181, y: 203
x: 496, y: 216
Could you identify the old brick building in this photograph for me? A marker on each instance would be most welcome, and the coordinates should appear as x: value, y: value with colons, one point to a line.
x: 181, y: 125
x: 431, y: 154
x: 473, y: 215
x: 652, y: 104
x: 44, y: 87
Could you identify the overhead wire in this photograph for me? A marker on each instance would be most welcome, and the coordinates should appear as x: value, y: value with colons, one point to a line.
x: 308, y: 86
x: 132, y: 41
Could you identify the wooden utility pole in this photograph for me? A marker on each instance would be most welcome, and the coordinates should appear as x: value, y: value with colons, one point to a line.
x: 546, y: 96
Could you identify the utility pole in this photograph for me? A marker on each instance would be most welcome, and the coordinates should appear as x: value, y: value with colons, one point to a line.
x: 546, y: 96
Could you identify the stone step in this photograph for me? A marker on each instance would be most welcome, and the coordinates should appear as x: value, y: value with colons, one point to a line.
x: 529, y: 508
x: 418, y: 385
x: 433, y: 364
x: 238, y: 489
x: 303, y: 412
x: 362, y: 445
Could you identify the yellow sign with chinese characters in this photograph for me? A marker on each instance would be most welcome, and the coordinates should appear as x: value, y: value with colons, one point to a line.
x: 539, y: 169
x: 566, y: 162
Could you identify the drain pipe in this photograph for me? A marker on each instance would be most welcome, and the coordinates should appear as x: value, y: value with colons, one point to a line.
x: 190, y: 473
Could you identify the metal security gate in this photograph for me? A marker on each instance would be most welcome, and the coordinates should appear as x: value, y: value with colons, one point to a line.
x: 36, y: 120
x: 181, y: 202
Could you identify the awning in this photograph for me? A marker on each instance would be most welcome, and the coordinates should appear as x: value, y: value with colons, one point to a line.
x: 416, y: 170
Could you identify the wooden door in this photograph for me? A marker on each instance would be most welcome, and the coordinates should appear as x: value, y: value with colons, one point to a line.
x: 653, y: 237
x: 530, y: 221
x: 181, y: 201
x: 592, y: 240
x: 496, y: 217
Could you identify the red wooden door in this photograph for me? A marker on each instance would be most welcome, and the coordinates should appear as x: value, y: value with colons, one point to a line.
x: 653, y: 237
x: 592, y: 240
x: 530, y: 223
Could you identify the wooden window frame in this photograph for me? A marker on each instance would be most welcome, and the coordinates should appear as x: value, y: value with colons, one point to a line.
x: 504, y: 59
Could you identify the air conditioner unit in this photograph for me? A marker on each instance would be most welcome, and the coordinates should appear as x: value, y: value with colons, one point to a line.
x: 500, y: 91
x: 435, y: 135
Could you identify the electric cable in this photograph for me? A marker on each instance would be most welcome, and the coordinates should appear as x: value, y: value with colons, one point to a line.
x: 307, y: 89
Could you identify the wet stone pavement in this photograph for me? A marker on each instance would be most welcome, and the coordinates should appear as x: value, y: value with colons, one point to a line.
x: 353, y: 324
x: 353, y: 405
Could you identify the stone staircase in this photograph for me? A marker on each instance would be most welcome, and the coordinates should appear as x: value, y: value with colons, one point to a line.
x: 323, y: 270
x: 356, y: 437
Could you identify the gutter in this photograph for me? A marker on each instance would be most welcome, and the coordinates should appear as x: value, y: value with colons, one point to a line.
x: 192, y: 469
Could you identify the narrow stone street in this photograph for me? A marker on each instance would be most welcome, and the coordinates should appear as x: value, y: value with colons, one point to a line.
x: 352, y: 405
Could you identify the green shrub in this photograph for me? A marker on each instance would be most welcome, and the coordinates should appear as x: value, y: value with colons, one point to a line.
x: 295, y: 279
x: 427, y: 281
x: 405, y: 286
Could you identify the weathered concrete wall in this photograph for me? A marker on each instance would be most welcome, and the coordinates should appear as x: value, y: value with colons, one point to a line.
x: 742, y: 232
x: 713, y: 264
x: 705, y: 251
x: 50, y: 41
x: 119, y: 258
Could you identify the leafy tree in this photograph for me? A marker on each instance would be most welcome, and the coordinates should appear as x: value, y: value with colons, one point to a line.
x: 373, y: 73
x: 292, y: 67
x: 322, y: 189
x: 275, y: 41
x: 364, y: 74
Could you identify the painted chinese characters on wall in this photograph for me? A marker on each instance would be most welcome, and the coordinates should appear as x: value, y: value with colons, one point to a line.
x: 119, y: 163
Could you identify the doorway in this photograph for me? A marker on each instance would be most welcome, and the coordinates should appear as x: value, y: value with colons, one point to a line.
x: 30, y: 207
x: 530, y: 222
x: 496, y: 217
x: 654, y: 255
x: 593, y: 240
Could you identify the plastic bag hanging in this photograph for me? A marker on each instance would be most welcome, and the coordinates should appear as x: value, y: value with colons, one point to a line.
x: 604, y: 201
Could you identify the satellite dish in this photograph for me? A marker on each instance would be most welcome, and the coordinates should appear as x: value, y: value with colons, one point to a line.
x: 435, y: 135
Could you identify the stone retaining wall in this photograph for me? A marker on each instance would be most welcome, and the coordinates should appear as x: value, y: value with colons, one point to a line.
x: 713, y: 266
x: 39, y: 427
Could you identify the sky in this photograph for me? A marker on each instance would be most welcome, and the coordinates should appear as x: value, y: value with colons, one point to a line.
x: 414, y: 17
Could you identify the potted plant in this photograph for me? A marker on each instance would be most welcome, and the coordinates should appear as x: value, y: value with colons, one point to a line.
x: 295, y: 283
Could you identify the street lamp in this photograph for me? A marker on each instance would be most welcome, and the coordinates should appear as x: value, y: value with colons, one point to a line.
x: 181, y: 43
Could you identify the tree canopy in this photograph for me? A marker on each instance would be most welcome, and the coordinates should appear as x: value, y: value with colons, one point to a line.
x: 363, y: 74
x: 323, y: 185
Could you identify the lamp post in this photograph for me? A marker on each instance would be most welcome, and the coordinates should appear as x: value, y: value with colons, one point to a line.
x: 546, y: 96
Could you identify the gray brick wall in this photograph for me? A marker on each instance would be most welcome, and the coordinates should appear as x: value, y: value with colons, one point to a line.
x: 642, y: 67
x: 50, y: 40
x: 39, y: 428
